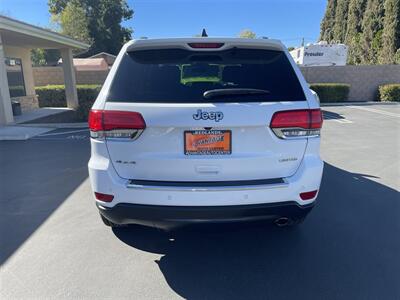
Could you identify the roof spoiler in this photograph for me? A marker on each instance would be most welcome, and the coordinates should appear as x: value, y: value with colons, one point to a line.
x: 184, y: 43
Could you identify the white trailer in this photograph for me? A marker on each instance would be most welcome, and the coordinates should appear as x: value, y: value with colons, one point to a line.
x: 321, y: 54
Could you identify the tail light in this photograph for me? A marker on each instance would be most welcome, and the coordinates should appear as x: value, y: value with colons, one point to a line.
x: 115, y: 124
x: 297, y: 123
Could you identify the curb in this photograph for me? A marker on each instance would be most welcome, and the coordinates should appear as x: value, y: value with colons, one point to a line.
x: 14, y: 133
x: 57, y: 125
x: 357, y: 103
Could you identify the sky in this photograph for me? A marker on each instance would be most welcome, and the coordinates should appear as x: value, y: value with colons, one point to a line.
x: 287, y: 20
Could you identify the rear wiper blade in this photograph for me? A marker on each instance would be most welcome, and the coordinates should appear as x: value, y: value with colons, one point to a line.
x: 233, y: 92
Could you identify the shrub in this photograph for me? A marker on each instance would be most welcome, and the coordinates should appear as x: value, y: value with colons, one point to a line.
x: 17, y: 90
x: 51, y: 95
x: 331, y: 92
x: 82, y: 112
x: 54, y: 96
x: 389, y: 92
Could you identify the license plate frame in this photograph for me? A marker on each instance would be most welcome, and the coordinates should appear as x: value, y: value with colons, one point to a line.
x: 200, y: 142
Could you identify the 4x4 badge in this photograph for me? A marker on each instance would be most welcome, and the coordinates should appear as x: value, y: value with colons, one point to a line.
x: 203, y: 115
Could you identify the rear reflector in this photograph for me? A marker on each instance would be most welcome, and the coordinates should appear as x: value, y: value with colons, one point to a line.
x: 116, y: 124
x: 104, y: 197
x: 206, y: 45
x: 297, y: 123
x: 308, y: 195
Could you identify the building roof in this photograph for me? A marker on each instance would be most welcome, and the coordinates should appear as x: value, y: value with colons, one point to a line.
x: 17, y: 33
x: 89, y: 64
x: 100, y: 54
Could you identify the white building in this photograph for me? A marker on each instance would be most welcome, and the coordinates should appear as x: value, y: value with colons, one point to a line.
x: 16, y: 76
x: 321, y: 54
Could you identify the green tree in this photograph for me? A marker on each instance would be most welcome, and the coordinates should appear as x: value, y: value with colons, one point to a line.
x: 45, y: 57
x: 102, y: 18
x: 340, y: 21
x: 353, y: 31
x: 328, y: 21
x: 355, y: 16
x: 391, y: 33
x: 37, y: 57
x: 247, y: 33
x: 397, y: 57
x: 372, y: 29
x: 73, y: 22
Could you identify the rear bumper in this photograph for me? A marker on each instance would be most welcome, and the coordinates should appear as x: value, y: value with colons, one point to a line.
x: 211, y: 194
x: 173, y: 216
x: 105, y: 180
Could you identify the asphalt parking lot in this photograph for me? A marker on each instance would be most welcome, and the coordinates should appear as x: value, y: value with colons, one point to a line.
x: 54, y: 245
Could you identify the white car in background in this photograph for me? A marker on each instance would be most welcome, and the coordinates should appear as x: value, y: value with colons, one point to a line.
x: 205, y: 130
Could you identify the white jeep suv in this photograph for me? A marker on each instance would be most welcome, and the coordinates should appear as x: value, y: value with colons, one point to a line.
x: 204, y: 130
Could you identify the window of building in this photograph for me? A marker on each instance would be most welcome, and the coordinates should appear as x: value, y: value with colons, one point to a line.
x: 15, y: 77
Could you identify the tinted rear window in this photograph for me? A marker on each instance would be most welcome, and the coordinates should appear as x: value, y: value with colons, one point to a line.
x: 182, y: 76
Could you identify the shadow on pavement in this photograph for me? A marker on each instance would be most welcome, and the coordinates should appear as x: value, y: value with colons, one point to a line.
x: 35, y: 179
x: 348, y: 247
x: 327, y: 115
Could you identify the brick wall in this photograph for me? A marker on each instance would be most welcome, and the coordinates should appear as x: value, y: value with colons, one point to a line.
x: 364, y: 80
x: 91, y: 77
x: 55, y: 75
x: 27, y: 102
x: 48, y: 75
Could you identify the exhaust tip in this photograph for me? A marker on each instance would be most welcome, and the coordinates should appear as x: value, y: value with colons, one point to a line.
x: 281, y: 222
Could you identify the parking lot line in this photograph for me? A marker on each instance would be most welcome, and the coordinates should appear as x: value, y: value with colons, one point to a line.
x: 343, y: 121
x: 62, y: 133
x: 382, y: 112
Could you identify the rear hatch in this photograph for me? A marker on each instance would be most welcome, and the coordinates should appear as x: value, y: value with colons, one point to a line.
x: 206, y: 114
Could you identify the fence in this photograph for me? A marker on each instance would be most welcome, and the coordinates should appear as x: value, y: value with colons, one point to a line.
x: 55, y: 75
x: 364, y: 80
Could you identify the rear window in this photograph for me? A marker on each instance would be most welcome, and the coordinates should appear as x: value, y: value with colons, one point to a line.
x: 183, y: 76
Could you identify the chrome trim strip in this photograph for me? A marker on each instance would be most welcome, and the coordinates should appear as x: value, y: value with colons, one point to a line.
x: 278, y: 132
x: 207, y: 189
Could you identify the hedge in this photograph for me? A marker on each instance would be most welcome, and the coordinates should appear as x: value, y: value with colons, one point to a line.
x: 54, y: 96
x: 389, y: 92
x: 16, y: 90
x: 331, y: 92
